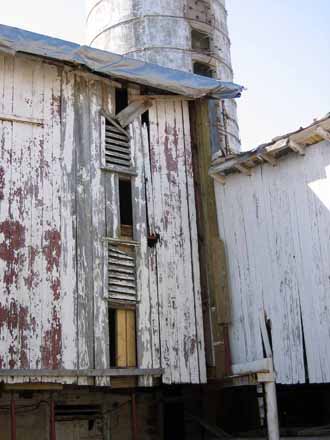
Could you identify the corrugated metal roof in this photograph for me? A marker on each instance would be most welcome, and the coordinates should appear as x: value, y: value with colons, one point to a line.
x: 14, y: 40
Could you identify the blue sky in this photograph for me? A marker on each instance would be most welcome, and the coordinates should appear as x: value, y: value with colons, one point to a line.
x: 280, y: 51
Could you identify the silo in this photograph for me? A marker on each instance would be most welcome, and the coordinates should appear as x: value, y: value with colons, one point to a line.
x: 188, y: 35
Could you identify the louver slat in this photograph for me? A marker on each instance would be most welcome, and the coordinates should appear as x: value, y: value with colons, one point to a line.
x: 122, y: 273
x: 117, y: 146
x: 113, y: 135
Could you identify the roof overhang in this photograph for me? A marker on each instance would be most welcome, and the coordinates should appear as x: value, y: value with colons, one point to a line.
x: 14, y: 40
x: 272, y: 152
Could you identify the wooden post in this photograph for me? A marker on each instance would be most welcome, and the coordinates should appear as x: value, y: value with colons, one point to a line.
x: 215, y: 290
x: 52, y: 428
x: 272, y: 413
x: 13, y: 418
x: 134, y: 417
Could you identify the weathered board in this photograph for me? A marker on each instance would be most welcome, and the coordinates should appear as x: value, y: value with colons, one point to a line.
x: 276, y: 228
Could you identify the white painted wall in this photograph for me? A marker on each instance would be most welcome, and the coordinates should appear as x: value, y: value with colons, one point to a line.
x: 276, y: 229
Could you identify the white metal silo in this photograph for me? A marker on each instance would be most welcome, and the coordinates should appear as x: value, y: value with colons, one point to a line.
x: 188, y: 35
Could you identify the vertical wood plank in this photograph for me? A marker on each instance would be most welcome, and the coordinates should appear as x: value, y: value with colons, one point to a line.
x: 163, y: 220
x: 111, y: 194
x: 20, y: 214
x: 131, y: 338
x: 186, y: 318
x: 69, y: 224
x: 101, y: 330
x: 195, y: 265
x: 6, y: 105
x: 51, y: 239
x: 35, y: 254
x: 84, y: 226
x: 152, y: 255
x: 121, y: 338
x: 140, y: 234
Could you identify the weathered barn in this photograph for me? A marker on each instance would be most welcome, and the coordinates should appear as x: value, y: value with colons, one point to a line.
x: 273, y: 211
x: 99, y: 248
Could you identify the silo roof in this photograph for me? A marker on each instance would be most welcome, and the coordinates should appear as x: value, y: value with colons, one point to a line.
x: 15, y: 40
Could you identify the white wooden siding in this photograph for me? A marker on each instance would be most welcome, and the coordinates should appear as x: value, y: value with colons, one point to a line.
x: 276, y: 228
x: 58, y: 203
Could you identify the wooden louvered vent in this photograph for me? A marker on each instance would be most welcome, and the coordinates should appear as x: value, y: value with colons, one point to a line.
x: 117, y: 145
x: 122, y: 272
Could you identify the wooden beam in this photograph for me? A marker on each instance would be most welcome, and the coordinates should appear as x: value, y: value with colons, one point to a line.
x: 269, y: 158
x: 133, y: 111
x: 264, y: 335
x: 259, y: 366
x: 265, y: 377
x: 220, y: 178
x: 161, y: 98
x: 323, y: 133
x: 243, y: 169
x: 297, y: 148
x: 123, y: 382
x: 272, y: 411
x: 21, y: 119
x: 33, y: 387
x: 111, y: 372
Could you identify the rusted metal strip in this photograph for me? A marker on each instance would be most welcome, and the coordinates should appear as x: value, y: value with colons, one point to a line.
x: 134, y: 417
x: 52, y: 428
x: 12, y: 418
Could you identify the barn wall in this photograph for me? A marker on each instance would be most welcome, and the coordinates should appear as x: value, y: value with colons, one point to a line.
x: 276, y: 228
x: 52, y: 219
x: 57, y: 205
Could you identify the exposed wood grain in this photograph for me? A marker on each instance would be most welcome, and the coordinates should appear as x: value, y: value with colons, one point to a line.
x: 68, y: 224
x: 84, y: 226
x: 101, y: 327
x: 121, y: 339
x: 152, y: 254
x: 212, y: 255
x: 195, y: 260
x: 325, y: 134
x: 144, y: 352
x: 133, y: 111
x: 188, y: 255
x: 131, y: 338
